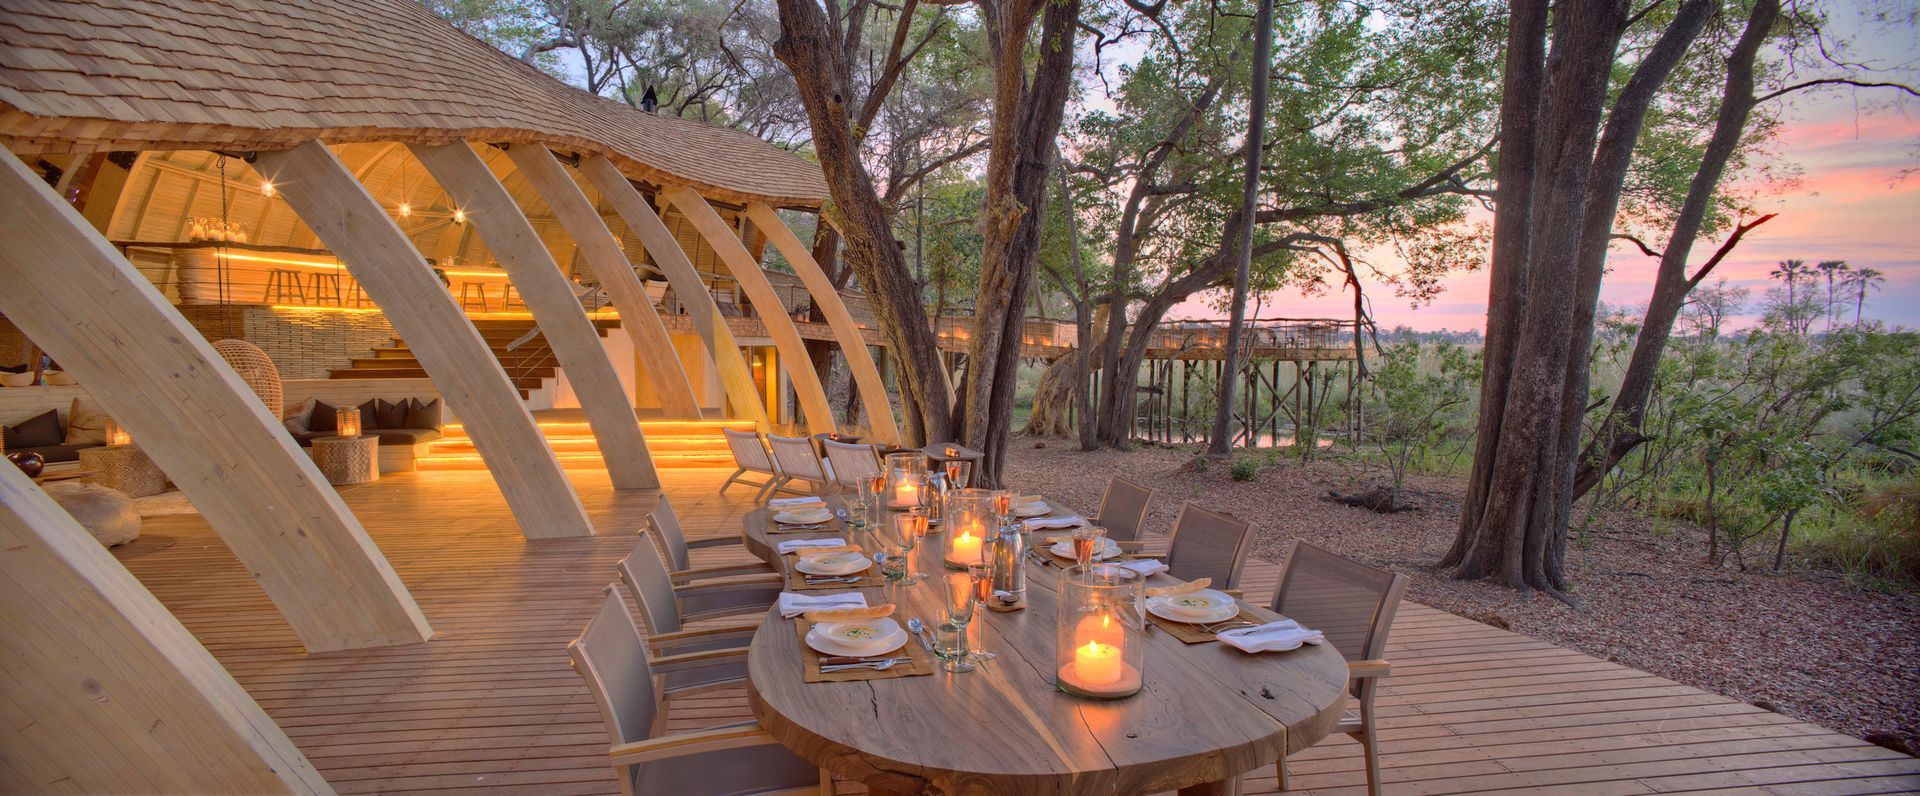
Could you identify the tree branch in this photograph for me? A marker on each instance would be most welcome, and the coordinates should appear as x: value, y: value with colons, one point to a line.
x: 1835, y: 81
x: 1739, y: 231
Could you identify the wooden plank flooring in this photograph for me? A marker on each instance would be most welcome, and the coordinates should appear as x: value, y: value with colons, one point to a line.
x: 491, y: 703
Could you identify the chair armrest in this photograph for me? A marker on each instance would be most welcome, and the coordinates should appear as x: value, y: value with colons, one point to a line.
x: 1135, y: 545
x: 744, y: 568
x: 1369, y: 668
x: 682, y: 744
x: 1234, y: 593
x: 703, y: 634
x: 749, y: 583
x: 713, y: 541
x: 695, y: 660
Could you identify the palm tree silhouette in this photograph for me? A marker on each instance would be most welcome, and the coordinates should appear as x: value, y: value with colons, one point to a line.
x: 1791, y: 272
x: 1861, y: 281
x: 1832, y: 269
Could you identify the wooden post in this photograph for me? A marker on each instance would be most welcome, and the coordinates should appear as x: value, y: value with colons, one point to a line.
x: 105, y: 691
x: 463, y: 369
x: 873, y: 392
x: 602, y: 252
x: 728, y: 363
x: 766, y: 303
x: 511, y: 240
x: 73, y: 294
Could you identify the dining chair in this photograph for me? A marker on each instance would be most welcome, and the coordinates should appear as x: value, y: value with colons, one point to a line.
x: 665, y: 523
x: 797, y: 461
x: 1209, y: 544
x: 1353, y: 605
x: 612, y: 657
x: 851, y: 462
x: 670, y: 605
x: 750, y: 456
x: 1123, y: 511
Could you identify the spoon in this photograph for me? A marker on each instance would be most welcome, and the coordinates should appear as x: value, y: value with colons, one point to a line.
x: 919, y: 631
x: 878, y: 666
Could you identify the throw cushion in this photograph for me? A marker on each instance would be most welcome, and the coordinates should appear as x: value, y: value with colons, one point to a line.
x: 86, y: 425
x: 14, y: 368
x: 325, y: 418
x: 393, y: 414
x: 423, y: 415
x: 370, y: 415
x: 41, y: 431
x: 296, y: 418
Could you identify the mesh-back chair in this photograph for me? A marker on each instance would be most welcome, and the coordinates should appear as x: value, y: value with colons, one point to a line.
x: 750, y: 457
x: 665, y: 523
x: 1123, y: 510
x: 1209, y: 544
x: 1353, y: 605
x: 668, y: 606
x: 797, y: 461
x: 851, y: 462
x: 734, y: 758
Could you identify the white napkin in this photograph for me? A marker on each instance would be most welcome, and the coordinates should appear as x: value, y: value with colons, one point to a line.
x: 797, y: 502
x: 1038, y: 523
x: 791, y: 545
x: 1147, y: 567
x: 1283, y: 634
x: 792, y: 605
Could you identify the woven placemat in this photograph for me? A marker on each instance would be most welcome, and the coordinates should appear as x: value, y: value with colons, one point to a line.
x: 797, y: 580
x: 1196, y: 634
x: 921, y: 662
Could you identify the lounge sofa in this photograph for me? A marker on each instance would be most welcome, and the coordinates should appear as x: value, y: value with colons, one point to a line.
x: 405, y: 422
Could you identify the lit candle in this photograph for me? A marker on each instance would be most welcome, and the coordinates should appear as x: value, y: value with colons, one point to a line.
x: 1096, y: 664
x: 116, y: 435
x: 1098, y: 628
x: 965, y: 549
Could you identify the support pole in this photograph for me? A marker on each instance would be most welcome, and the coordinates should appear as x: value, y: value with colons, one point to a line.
x: 602, y: 252
x: 105, y: 691
x: 576, y: 344
x: 735, y: 377
x: 463, y: 369
x: 872, y: 391
x: 70, y: 291
x: 766, y: 304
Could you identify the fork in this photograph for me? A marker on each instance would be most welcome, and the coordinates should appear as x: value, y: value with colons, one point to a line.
x: 812, y: 580
x: 1230, y: 624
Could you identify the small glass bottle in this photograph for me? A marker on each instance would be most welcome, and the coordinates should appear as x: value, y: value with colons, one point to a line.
x: 1009, y: 564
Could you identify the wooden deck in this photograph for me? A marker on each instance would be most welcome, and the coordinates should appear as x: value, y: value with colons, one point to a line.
x: 492, y: 704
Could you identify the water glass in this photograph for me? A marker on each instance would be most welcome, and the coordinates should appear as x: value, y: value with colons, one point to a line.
x: 956, y: 610
x: 893, y: 563
x: 908, y: 527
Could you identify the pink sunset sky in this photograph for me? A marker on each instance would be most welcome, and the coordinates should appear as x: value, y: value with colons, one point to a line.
x: 1850, y: 204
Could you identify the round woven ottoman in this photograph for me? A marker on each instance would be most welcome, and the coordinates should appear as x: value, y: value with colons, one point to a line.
x: 106, y: 513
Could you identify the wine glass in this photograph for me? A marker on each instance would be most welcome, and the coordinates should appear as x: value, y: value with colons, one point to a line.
x: 956, y: 611
x: 908, y: 527
x: 982, y: 576
x: 1087, y: 541
x: 959, y: 471
x: 1003, y: 505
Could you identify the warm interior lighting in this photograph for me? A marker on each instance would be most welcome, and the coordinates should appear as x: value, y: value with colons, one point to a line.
x: 266, y: 188
x: 459, y: 216
x: 405, y: 209
x: 117, y: 435
x: 255, y: 258
x: 347, y: 421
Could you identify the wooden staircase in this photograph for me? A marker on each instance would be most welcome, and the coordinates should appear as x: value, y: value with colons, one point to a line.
x: 673, y: 443
x: 527, y: 365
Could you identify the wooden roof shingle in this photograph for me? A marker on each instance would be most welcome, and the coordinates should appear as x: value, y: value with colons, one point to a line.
x: 91, y: 75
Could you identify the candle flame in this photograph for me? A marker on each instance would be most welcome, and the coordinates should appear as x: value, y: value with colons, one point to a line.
x: 1092, y: 648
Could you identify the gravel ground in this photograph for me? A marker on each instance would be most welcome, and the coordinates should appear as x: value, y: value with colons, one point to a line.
x: 1804, y: 643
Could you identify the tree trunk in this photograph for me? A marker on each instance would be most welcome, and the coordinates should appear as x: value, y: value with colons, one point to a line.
x: 1510, y: 537
x: 1026, y: 118
x: 1083, y: 322
x: 1221, y: 444
x: 822, y: 75
x: 1786, y: 529
x: 1623, y: 431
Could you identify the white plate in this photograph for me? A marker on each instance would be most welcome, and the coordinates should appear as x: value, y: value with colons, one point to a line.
x: 1202, y: 607
x: 845, y: 562
x: 803, y: 516
x: 1110, y: 550
x: 1038, y: 508
x: 858, y: 639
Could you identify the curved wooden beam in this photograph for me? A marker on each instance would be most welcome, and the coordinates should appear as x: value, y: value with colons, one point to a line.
x: 465, y: 371
x: 735, y: 377
x: 873, y: 390
x: 110, y: 327
x: 556, y: 308
x: 602, y: 252
x: 96, y: 665
x: 766, y: 304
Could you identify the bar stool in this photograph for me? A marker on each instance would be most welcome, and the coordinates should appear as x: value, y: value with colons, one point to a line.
x: 471, y: 292
x: 283, y: 283
x: 358, y: 297
x: 510, y: 297
x: 322, y: 283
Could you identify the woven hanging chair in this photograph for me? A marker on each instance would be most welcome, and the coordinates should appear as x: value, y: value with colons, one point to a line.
x: 256, y: 369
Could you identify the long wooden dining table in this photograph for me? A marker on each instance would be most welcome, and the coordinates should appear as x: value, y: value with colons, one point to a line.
x: 1206, y: 714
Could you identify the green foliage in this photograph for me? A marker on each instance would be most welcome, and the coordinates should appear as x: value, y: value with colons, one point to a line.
x: 1244, y: 469
x: 1417, y: 399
